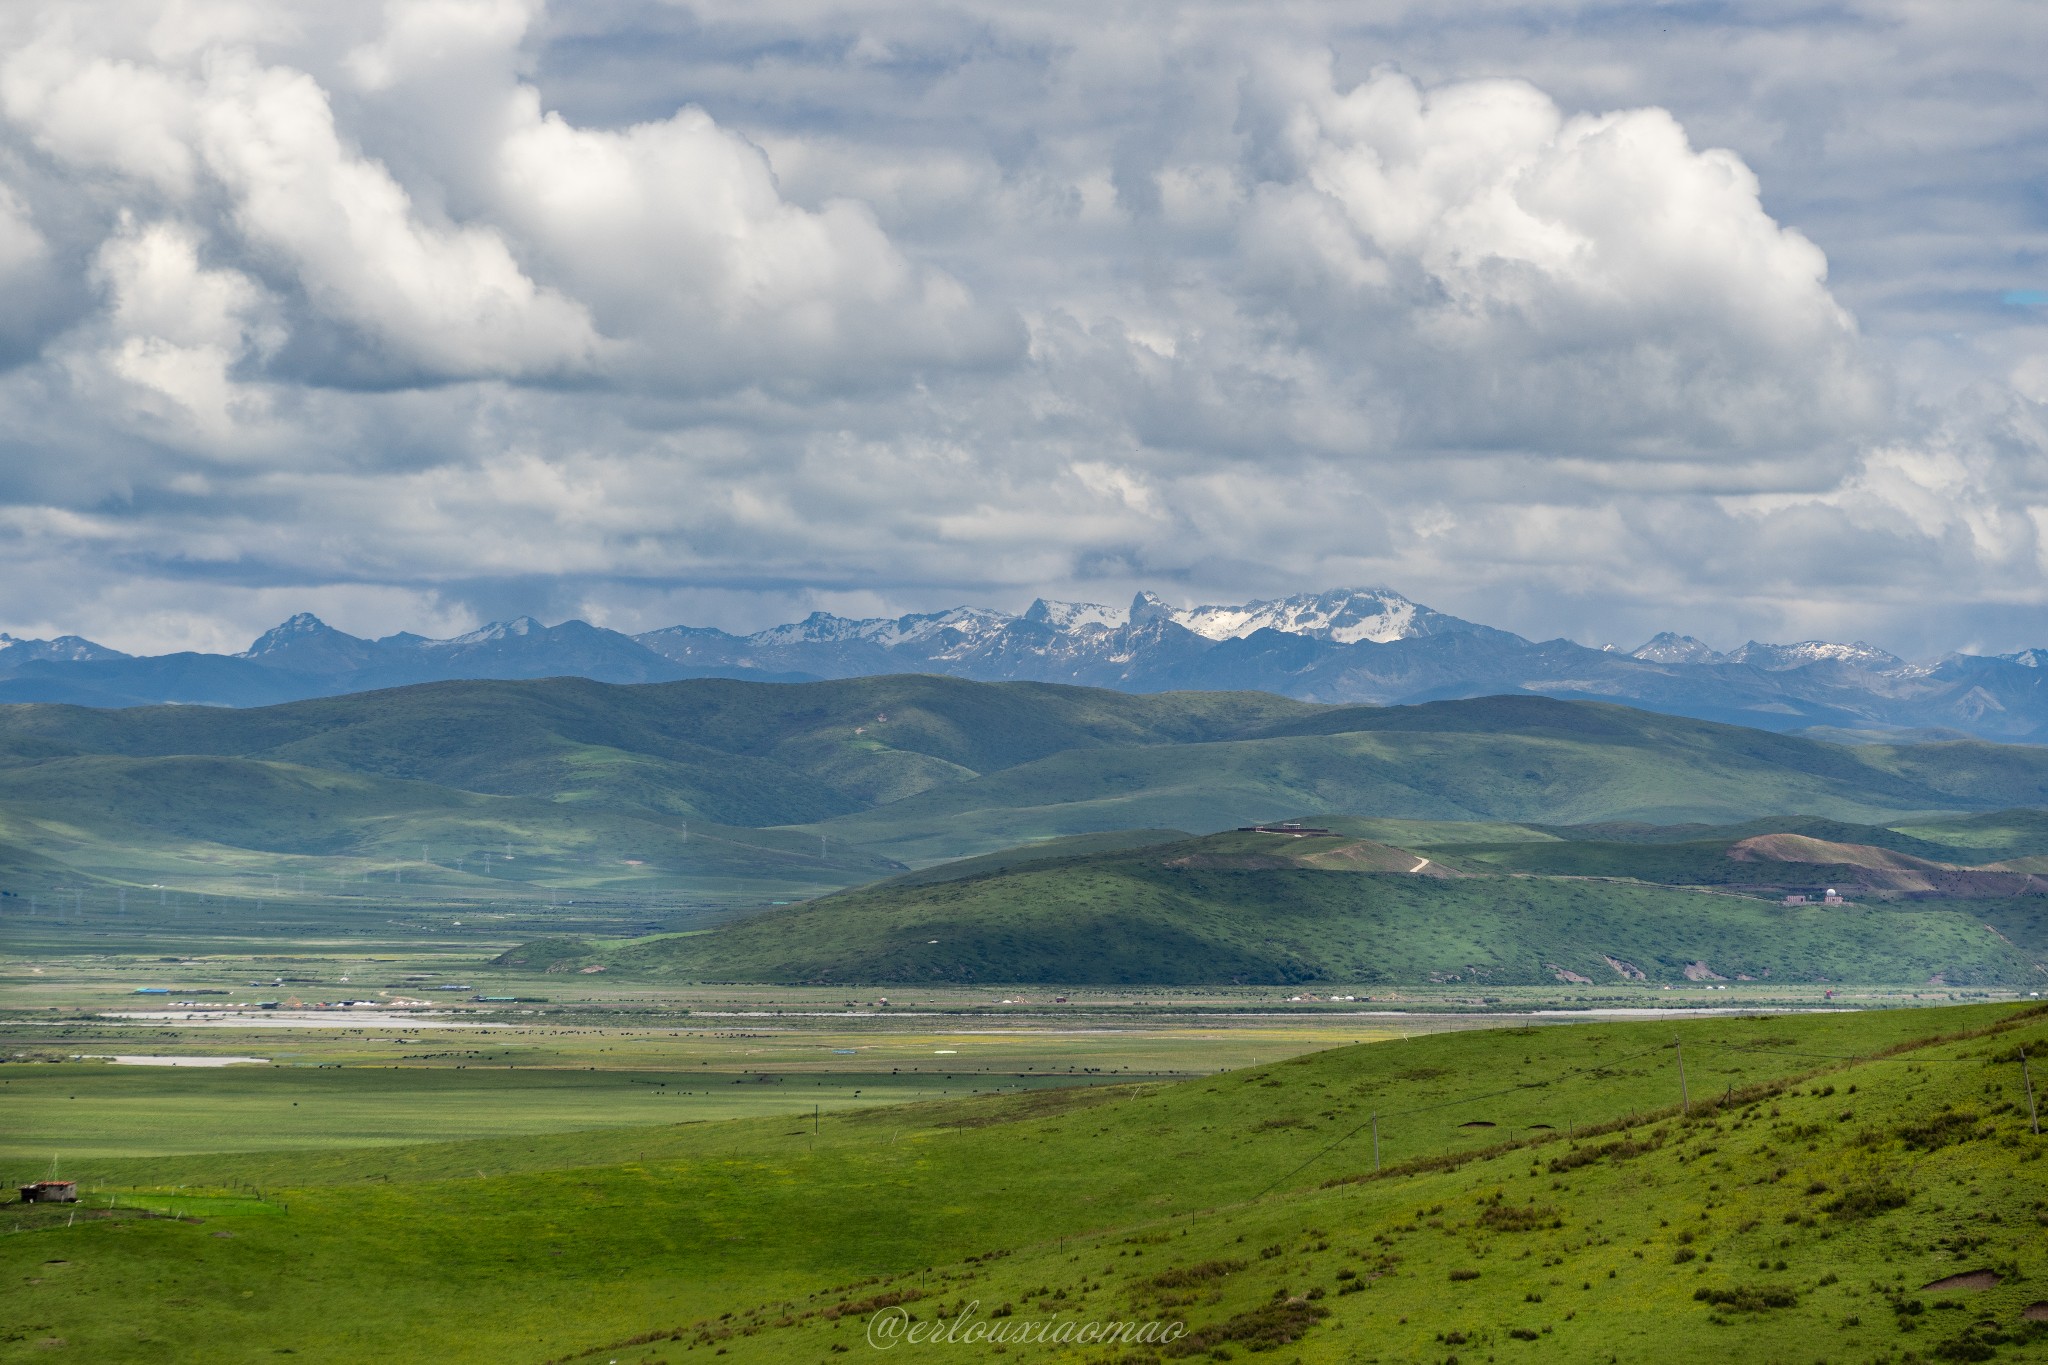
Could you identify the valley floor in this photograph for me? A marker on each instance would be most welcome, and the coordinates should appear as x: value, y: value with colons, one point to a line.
x: 1269, y: 1175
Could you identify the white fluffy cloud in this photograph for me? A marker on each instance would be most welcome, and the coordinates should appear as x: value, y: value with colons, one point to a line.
x: 657, y: 254
x: 442, y: 309
x: 177, y: 331
x: 1590, y: 282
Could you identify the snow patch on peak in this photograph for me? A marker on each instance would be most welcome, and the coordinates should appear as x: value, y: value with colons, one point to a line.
x: 1668, y: 647
x: 973, y: 624
x: 1346, y: 616
x: 496, y: 630
x: 1077, y: 615
x: 2027, y: 658
x: 62, y: 649
x: 1777, y: 658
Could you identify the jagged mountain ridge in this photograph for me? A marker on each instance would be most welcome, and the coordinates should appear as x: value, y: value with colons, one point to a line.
x: 1367, y: 645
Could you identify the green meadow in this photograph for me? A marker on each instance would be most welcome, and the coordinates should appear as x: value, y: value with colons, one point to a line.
x: 1555, y: 1193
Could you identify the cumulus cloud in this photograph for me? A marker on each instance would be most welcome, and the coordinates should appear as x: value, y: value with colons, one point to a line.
x: 659, y: 253
x: 1591, y: 283
x: 178, y: 330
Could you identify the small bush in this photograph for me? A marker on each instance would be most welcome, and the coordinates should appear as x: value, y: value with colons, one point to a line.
x: 1867, y: 1201
x: 1264, y: 1328
x: 1621, y: 1149
x: 1949, y: 1126
x: 1979, y: 1342
x: 1180, y: 1277
x: 1517, y: 1217
x: 1464, y: 1274
x: 1747, y: 1298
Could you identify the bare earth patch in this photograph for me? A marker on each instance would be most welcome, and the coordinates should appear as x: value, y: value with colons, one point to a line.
x: 1972, y: 1279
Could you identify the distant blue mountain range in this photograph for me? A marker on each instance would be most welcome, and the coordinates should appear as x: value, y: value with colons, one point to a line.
x: 1348, y: 645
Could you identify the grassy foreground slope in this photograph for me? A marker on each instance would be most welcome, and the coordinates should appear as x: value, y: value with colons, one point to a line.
x: 1540, y: 1196
x: 1254, y: 908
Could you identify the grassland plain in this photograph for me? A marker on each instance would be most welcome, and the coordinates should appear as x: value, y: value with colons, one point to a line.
x: 1541, y: 1195
x: 1250, y: 907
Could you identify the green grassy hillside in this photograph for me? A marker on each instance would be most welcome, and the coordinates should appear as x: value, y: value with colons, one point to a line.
x: 1494, y: 759
x: 567, y: 786
x: 736, y: 753
x: 229, y: 844
x: 1706, y: 1190
x: 1260, y: 908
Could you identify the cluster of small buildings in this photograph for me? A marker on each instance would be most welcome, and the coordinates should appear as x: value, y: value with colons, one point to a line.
x: 1831, y: 897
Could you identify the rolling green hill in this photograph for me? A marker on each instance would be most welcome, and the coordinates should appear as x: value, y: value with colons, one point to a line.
x: 1860, y: 1186
x: 735, y: 753
x: 567, y: 785
x: 1493, y: 759
x: 1252, y: 908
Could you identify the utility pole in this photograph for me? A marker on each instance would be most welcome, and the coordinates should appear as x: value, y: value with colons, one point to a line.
x: 1375, y: 1140
x: 1684, y: 1103
x: 2028, y: 1076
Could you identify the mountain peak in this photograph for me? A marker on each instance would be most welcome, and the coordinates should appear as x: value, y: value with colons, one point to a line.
x: 62, y: 649
x: 1669, y: 647
x: 1075, y: 615
x: 303, y: 643
x: 1148, y: 607
x: 296, y: 627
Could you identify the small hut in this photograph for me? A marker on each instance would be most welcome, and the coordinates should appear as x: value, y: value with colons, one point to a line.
x: 50, y: 1192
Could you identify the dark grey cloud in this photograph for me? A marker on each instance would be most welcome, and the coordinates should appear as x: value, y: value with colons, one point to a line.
x: 1587, y: 319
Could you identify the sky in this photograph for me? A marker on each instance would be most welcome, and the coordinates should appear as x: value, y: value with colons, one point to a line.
x: 1580, y: 319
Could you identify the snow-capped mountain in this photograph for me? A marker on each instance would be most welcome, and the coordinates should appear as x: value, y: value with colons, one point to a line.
x: 1369, y: 645
x: 63, y: 649
x: 1776, y: 657
x: 1666, y: 647
x: 1076, y: 615
x: 497, y: 632
x: 1347, y: 616
x: 961, y: 624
